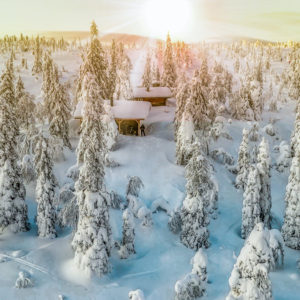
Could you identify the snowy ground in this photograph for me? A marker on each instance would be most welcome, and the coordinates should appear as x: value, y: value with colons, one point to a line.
x: 160, y: 259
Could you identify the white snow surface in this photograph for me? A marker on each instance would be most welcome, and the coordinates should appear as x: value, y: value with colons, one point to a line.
x: 123, y: 109
x: 160, y: 259
x: 154, y: 92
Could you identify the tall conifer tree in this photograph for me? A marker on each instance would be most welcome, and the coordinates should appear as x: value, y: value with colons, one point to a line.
x: 13, y: 209
x: 169, y: 75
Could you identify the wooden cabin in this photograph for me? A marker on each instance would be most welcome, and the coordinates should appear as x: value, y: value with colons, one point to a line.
x: 157, y: 96
x: 129, y: 115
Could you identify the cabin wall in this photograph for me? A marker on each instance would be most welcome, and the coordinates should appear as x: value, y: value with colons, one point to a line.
x: 154, y: 101
x: 126, y: 127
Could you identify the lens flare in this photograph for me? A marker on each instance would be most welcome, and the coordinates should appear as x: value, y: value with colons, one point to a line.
x: 162, y: 16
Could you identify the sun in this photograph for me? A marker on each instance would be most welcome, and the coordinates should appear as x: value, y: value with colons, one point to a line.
x: 162, y: 16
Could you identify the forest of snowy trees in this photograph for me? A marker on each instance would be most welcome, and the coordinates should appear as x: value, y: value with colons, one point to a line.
x: 215, y: 84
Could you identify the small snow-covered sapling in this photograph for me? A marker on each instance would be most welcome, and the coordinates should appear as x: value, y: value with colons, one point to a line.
x: 23, y: 281
x: 136, y: 295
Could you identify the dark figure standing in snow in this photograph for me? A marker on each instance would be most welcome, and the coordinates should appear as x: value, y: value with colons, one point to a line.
x: 143, y: 130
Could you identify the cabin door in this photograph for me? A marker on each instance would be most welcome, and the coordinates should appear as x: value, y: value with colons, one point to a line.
x: 129, y: 127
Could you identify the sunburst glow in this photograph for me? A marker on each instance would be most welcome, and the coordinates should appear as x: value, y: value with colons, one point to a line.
x: 162, y: 16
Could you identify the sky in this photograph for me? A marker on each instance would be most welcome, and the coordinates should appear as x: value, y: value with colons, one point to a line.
x: 203, y: 19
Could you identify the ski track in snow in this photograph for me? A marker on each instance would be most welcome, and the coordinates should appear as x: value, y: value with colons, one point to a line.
x: 27, y: 263
x: 47, y: 245
x: 141, y: 274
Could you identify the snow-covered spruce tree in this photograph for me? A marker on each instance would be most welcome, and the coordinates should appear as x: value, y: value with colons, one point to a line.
x: 94, y: 29
x: 228, y: 81
x: 110, y: 127
x: 284, y: 156
x: 243, y: 163
x: 270, y: 129
x: 92, y: 240
x: 236, y: 106
x: 263, y: 166
x: 294, y: 88
x: 251, y: 207
x: 23, y: 281
x: 217, y: 94
x: 273, y: 102
x: 10, y: 64
x: 257, y: 98
x: 136, y: 295
x: 37, y: 64
x: 94, y: 63
x: 194, y: 233
x: 185, y: 138
x: 237, y: 65
x: 56, y: 148
x: 291, y: 225
x: 253, y: 154
x: 49, y: 90
x: 188, y: 288
x: 112, y: 73
x: 169, y: 75
x: 147, y: 76
x: 254, y: 132
x: 253, y: 95
x: 27, y: 141
x: 181, y: 99
x: 59, y: 123
x: 175, y: 222
x: 27, y: 168
x: 93, y: 76
x: 123, y: 90
x: 45, y: 189
x: 25, y: 106
x: 93, y: 106
x: 24, y: 63
x: 250, y: 275
x: 127, y: 246
x: 47, y: 84
x: 199, y: 179
x: 199, y: 263
x: 134, y: 187
x: 13, y: 209
x: 241, y: 104
x: 295, y: 138
x: 194, y: 284
x: 197, y: 105
x: 20, y: 90
x: 205, y: 78
x: 145, y: 215
x: 157, y: 75
x: 68, y: 214
x: 121, y: 52
x: 67, y: 205
x: 7, y: 90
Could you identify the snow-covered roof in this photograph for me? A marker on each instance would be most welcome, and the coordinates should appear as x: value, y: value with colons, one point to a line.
x: 123, y: 109
x: 154, y: 92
